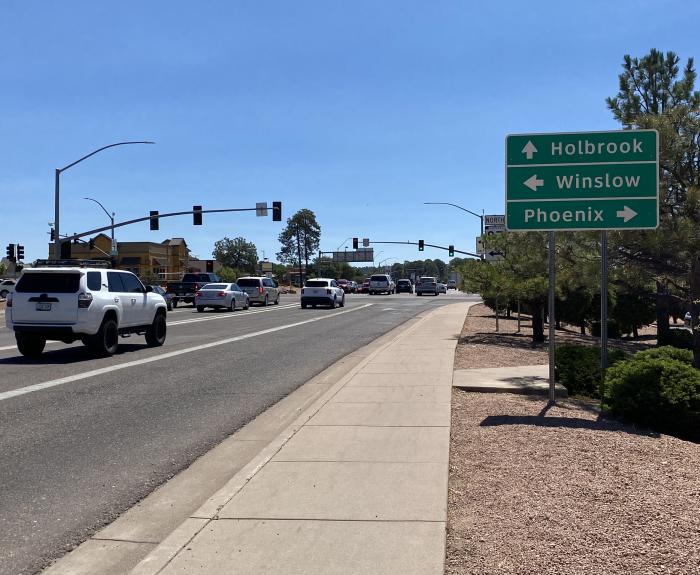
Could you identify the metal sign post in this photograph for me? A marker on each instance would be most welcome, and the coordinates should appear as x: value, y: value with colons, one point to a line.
x: 552, y: 323
x: 603, y: 300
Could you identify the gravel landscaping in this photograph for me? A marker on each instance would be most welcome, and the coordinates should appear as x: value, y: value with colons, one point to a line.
x: 562, y: 490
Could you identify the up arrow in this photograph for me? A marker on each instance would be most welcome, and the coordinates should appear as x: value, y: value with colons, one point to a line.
x: 529, y: 149
x: 626, y: 214
x: 532, y: 182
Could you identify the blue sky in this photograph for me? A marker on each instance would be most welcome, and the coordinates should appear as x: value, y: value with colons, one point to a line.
x: 360, y: 111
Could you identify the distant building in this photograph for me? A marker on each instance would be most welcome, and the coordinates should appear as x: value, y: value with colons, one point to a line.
x: 166, y: 260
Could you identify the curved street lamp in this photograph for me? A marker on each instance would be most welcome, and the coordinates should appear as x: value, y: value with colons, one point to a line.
x: 481, y: 217
x: 111, y: 219
x: 57, y: 187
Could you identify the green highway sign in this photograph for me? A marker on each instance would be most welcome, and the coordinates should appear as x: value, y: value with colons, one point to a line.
x: 582, y: 181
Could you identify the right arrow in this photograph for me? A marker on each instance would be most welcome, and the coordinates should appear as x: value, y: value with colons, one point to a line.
x: 529, y: 149
x: 532, y: 182
x: 626, y: 214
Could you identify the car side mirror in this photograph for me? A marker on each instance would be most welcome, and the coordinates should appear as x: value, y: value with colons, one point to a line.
x: 149, y: 288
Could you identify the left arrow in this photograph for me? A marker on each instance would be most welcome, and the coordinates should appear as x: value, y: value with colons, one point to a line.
x: 626, y: 214
x: 533, y: 183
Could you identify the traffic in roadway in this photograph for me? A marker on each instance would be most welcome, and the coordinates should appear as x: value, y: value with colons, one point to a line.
x: 82, y: 439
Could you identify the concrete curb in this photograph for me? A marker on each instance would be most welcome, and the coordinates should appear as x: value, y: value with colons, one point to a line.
x: 165, y: 552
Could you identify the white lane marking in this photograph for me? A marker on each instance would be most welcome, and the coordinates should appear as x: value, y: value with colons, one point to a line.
x: 195, y: 320
x: 8, y: 347
x: 77, y: 377
x: 230, y: 316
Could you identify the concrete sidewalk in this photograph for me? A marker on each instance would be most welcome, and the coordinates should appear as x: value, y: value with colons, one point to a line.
x: 358, y: 484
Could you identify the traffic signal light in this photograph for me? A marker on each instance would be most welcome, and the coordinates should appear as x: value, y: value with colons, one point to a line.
x: 452, y: 251
x: 154, y: 220
x: 10, y: 250
x: 53, y: 235
x: 197, y: 216
x: 354, y: 243
x: 276, y: 211
x: 421, y: 245
x: 20, y: 252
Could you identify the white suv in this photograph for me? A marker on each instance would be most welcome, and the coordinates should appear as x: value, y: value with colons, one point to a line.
x: 322, y: 291
x: 381, y: 283
x: 92, y: 305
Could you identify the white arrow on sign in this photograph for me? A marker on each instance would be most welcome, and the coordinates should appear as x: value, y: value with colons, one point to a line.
x: 533, y: 183
x: 626, y: 214
x: 529, y: 149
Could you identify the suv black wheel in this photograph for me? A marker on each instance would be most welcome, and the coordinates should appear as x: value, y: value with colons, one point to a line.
x: 30, y: 345
x: 155, y: 334
x: 266, y: 302
x: 106, y: 340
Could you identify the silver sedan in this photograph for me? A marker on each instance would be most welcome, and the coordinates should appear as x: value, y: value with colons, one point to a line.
x: 221, y: 296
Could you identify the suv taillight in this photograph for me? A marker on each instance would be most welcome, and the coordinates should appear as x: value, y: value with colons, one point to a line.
x: 196, y: 287
x: 261, y: 290
x: 84, y: 300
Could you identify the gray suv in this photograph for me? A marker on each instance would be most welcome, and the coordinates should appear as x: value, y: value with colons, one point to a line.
x: 260, y: 290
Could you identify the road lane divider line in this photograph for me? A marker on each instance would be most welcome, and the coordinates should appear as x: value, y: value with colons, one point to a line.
x: 193, y: 320
x: 231, y: 315
x: 95, y: 372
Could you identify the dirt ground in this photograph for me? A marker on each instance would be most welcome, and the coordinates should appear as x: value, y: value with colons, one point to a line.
x: 561, y: 490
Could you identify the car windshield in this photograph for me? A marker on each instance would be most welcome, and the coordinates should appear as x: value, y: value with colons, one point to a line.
x: 215, y: 286
x: 317, y: 283
x: 250, y: 282
x: 48, y: 282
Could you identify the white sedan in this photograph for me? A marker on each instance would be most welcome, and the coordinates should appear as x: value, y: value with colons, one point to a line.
x: 322, y: 291
x: 221, y: 295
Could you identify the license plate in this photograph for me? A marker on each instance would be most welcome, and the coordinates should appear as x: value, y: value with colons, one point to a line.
x: 43, y: 307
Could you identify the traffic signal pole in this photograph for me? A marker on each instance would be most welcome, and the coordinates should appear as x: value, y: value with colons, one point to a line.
x: 149, y: 217
x: 446, y: 248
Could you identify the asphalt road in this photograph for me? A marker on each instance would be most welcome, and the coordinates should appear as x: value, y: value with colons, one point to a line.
x: 83, y: 439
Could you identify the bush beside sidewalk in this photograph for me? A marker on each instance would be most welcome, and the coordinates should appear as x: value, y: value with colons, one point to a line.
x: 561, y: 490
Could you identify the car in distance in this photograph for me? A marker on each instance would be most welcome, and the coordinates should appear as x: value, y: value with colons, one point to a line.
x: 344, y: 285
x: 381, y: 283
x: 261, y: 290
x: 221, y: 296
x: 89, y: 304
x: 168, y: 297
x: 6, y: 286
x: 442, y: 288
x: 364, y: 286
x: 188, y: 285
x: 404, y: 286
x: 452, y: 284
x: 427, y: 284
x: 322, y: 291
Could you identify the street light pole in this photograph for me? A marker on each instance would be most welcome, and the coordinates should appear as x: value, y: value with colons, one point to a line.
x: 111, y: 219
x: 57, y: 190
x: 481, y: 217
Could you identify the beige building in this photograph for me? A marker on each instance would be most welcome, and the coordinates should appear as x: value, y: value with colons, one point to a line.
x: 167, y: 260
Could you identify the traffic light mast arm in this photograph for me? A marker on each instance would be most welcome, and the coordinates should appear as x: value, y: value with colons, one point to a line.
x: 148, y: 218
x: 430, y: 246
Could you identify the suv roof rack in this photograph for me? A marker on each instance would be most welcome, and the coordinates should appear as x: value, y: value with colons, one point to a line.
x: 70, y: 263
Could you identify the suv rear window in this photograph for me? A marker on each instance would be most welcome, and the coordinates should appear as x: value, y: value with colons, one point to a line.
x: 48, y: 283
x: 403, y: 282
x: 317, y: 283
x: 379, y: 279
x: 248, y: 282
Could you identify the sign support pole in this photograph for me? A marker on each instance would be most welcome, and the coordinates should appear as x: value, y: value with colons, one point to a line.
x: 552, y: 322
x: 603, y: 300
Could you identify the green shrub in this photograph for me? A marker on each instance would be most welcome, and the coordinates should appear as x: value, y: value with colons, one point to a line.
x: 578, y: 368
x: 613, y: 329
x: 666, y: 352
x: 663, y: 394
x: 680, y: 338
